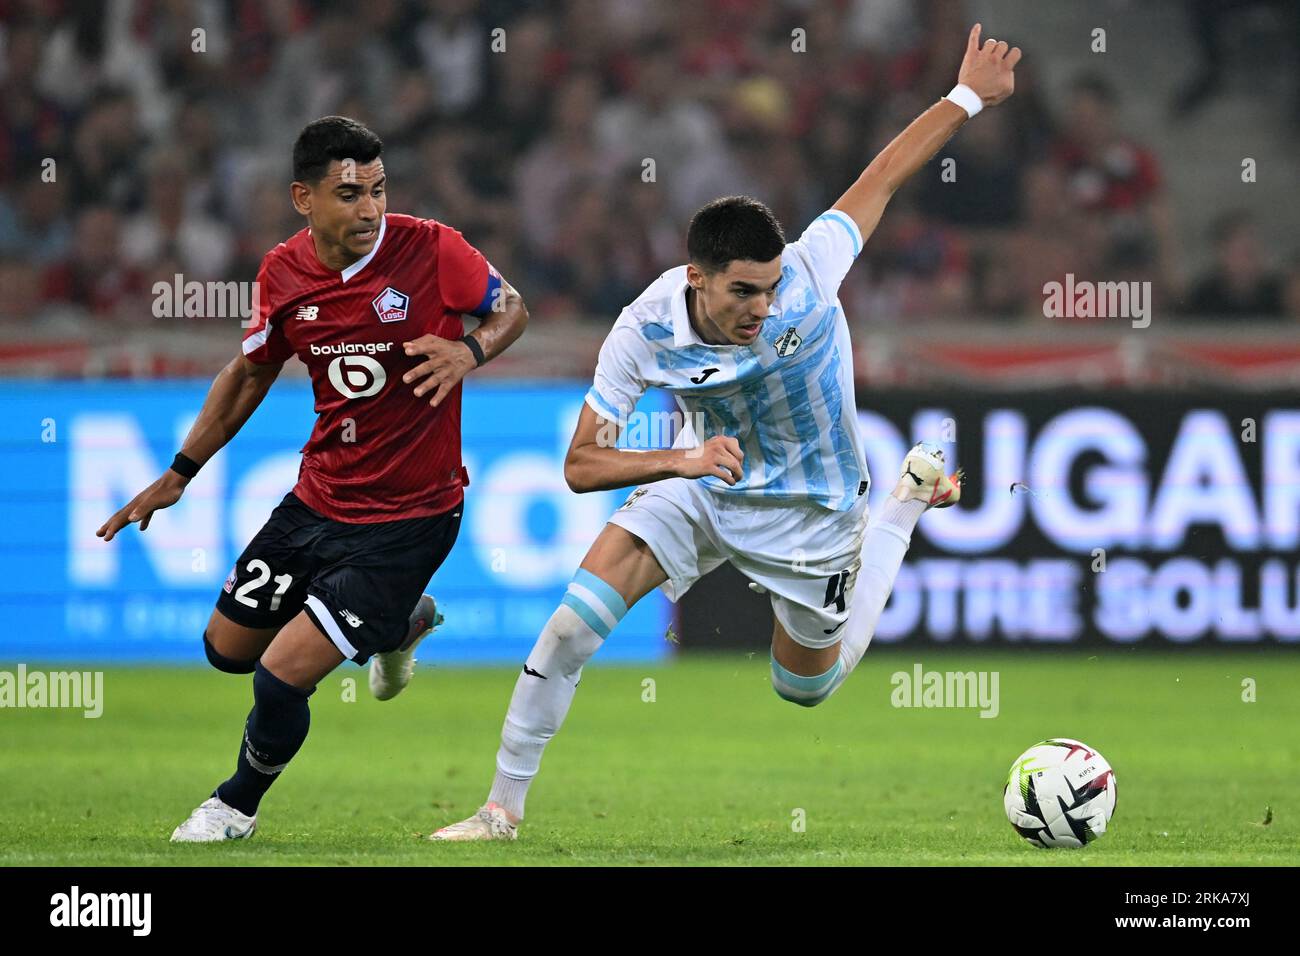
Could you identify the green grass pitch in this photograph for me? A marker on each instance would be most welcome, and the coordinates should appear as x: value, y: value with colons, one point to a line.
x: 713, y: 771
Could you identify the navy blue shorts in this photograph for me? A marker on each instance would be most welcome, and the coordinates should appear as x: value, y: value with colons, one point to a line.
x: 358, y: 582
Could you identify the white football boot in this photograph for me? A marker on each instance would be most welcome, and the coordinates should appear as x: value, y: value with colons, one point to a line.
x: 490, y: 823
x: 391, y: 671
x: 213, y: 822
x: 925, y: 478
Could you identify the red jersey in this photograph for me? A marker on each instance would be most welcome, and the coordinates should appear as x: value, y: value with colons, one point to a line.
x: 377, y: 453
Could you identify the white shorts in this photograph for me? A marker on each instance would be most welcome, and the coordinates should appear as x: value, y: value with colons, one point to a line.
x: 805, y: 555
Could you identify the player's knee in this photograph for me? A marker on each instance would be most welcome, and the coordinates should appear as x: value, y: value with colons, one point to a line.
x: 804, y: 691
x: 227, y: 664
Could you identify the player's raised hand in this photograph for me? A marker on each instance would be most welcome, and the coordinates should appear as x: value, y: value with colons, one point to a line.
x: 447, y: 364
x: 988, y: 69
x: 163, y: 493
x: 719, y: 457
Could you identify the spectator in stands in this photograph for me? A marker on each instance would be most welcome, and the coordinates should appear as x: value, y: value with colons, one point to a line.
x: 317, y: 69
x: 566, y: 155
x: 1240, y: 283
x: 1110, y: 173
x: 209, y: 162
x: 94, y: 275
x: 97, y: 45
x: 927, y: 263
x: 271, y: 220
x: 1053, y: 241
x: 36, y: 227
x: 655, y: 121
x: 650, y: 239
x: 526, y: 150
x: 983, y: 188
x: 22, y: 291
x: 34, y: 125
x: 106, y: 165
x: 521, y: 86
x: 580, y: 267
x: 453, y: 48
x: 165, y: 227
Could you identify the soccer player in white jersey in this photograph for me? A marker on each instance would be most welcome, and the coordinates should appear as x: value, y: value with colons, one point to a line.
x: 751, y: 341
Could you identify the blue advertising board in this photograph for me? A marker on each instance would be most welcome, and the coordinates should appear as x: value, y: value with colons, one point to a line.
x: 73, y: 453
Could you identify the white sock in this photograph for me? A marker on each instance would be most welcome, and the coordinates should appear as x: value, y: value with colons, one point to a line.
x: 883, y: 548
x: 545, y: 688
x: 902, y: 515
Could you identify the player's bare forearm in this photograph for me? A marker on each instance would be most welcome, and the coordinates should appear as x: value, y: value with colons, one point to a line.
x: 594, y: 463
x: 235, y: 394
x: 500, y: 328
x: 911, y: 149
x: 592, y: 468
x: 988, y: 71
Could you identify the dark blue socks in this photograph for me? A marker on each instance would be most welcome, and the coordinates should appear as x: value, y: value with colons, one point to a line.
x: 276, y: 727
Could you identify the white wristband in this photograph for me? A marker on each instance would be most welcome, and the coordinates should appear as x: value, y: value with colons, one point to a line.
x: 966, y: 98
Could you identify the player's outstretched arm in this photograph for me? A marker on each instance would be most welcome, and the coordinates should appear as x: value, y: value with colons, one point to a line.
x: 235, y: 393
x: 988, y: 71
x: 594, y: 463
x: 450, y: 360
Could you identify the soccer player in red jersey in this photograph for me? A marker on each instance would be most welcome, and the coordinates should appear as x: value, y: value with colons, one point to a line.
x: 372, y: 303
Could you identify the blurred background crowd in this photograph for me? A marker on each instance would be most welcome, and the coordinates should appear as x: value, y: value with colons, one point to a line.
x: 170, y: 123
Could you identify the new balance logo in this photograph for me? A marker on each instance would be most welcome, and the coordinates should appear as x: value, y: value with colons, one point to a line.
x: 350, y: 617
x: 308, y: 312
x: 532, y: 673
x: 700, y: 379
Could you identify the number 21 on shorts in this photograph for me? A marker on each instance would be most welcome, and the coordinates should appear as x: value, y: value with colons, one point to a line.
x: 262, y: 571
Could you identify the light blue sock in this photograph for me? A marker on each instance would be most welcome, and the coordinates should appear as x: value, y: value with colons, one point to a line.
x: 804, y: 691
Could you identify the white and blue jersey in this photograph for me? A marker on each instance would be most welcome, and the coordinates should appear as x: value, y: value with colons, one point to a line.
x: 787, y: 398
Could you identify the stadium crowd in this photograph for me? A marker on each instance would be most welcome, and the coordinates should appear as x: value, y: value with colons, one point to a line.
x: 570, y: 141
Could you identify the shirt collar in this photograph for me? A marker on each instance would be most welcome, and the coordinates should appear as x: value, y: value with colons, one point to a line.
x: 684, y: 333
x: 364, y: 261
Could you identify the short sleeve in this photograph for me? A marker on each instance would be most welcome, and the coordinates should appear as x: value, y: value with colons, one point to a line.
x: 264, y: 341
x: 618, y: 383
x: 827, y: 248
x: 467, y: 281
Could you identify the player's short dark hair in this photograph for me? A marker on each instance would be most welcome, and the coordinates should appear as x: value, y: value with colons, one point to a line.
x: 734, y: 227
x: 332, y: 138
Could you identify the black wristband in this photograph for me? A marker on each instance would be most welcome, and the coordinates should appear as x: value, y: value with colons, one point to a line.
x: 185, y: 467
x: 474, y: 347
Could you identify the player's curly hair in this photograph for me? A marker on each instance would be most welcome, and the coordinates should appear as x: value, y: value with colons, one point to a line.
x: 330, y: 138
x: 733, y: 227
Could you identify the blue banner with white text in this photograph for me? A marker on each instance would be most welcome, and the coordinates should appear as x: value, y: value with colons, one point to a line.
x: 72, y: 453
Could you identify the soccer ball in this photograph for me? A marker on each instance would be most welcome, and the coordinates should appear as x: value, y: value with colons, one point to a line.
x: 1060, y: 793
